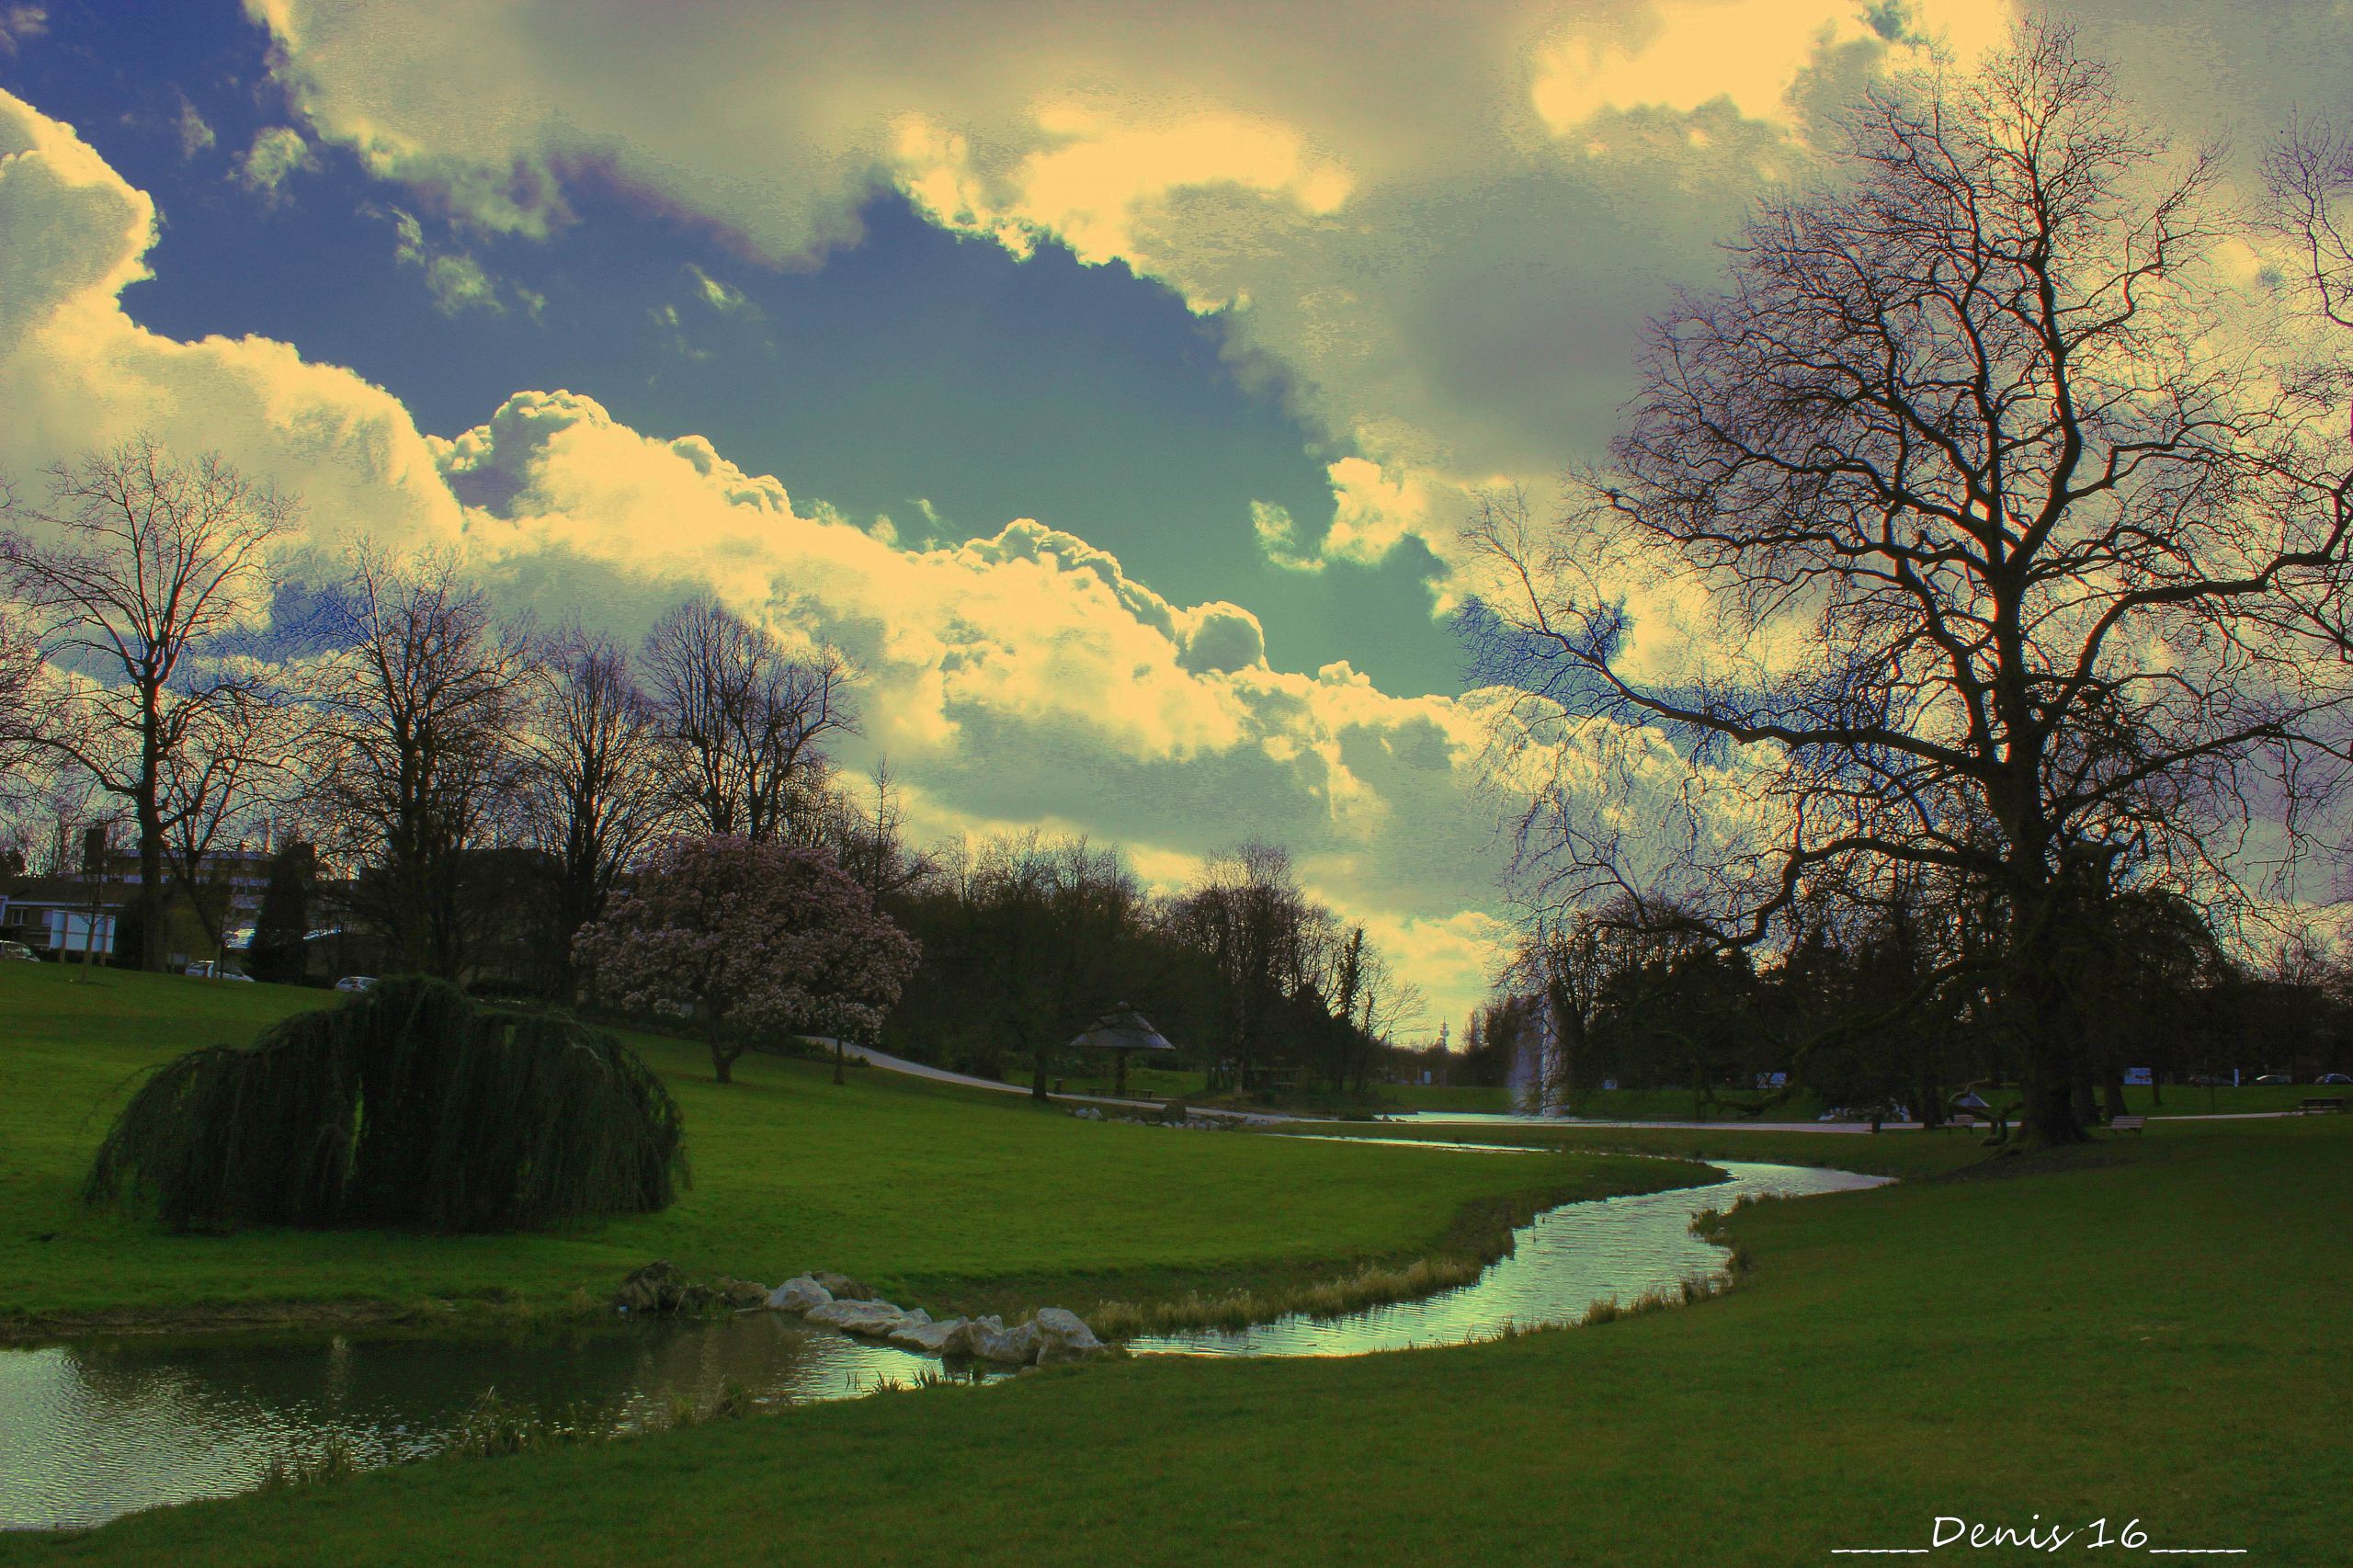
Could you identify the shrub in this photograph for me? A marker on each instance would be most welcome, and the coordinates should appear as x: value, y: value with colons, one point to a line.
x: 405, y: 1105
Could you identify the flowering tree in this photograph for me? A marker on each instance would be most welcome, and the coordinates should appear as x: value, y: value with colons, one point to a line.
x: 750, y: 943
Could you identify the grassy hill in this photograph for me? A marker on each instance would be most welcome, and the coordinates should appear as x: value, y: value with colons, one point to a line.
x: 2151, y: 1332
x: 949, y: 1197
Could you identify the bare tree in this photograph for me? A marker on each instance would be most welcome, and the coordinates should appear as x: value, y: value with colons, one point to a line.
x: 871, y: 845
x: 240, y: 763
x: 2021, y: 561
x: 745, y: 721
x: 2307, y: 183
x: 593, y: 793
x: 23, y: 675
x: 137, y: 562
x: 1263, y: 939
x: 424, y: 702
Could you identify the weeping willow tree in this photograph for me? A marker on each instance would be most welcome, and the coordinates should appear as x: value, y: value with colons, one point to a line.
x: 406, y: 1106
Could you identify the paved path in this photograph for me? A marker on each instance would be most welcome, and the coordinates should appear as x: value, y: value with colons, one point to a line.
x: 942, y: 1075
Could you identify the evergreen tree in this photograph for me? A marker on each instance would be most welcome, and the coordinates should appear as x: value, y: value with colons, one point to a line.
x: 278, y: 953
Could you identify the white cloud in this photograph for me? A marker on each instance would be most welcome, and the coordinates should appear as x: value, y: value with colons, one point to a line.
x: 277, y: 153
x: 1394, y: 206
x: 196, y: 135
x: 1680, y: 54
x: 725, y: 299
x: 19, y: 25
x: 454, y: 278
x: 1023, y: 678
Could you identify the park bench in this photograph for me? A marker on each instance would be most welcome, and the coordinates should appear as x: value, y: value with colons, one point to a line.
x: 2127, y: 1123
x: 2335, y: 1103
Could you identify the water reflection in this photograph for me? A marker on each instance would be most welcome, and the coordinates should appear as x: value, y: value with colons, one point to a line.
x: 103, y: 1426
x: 1562, y: 1262
x: 100, y: 1427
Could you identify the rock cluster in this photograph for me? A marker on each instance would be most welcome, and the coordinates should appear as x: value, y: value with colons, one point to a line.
x: 664, y: 1287
x: 1181, y: 1118
x: 1050, y: 1338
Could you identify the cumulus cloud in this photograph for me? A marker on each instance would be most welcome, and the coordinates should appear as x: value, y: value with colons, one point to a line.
x: 1442, y: 230
x: 19, y: 25
x: 75, y: 372
x: 1681, y: 54
x: 1021, y: 679
x: 454, y: 278
x: 196, y: 134
x: 726, y: 299
x: 277, y: 153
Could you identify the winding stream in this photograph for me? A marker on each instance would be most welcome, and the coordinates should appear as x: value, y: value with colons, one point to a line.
x: 1562, y: 1262
x: 104, y: 1426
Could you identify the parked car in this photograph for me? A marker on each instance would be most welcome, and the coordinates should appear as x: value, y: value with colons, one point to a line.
x: 2333, y: 1078
x: 355, y: 983
x: 10, y: 951
x: 2275, y: 1078
x: 2208, y: 1080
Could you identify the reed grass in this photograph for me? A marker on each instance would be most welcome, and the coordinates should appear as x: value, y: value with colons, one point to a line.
x: 1372, y: 1286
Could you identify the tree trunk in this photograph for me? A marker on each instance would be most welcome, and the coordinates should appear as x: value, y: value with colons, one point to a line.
x: 2043, y: 1019
x: 2112, y: 1091
x: 151, y: 879
x: 723, y: 1064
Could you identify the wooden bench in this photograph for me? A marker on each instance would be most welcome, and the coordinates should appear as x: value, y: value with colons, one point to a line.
x: 2127, y: 1123
x: 2326, y: 1103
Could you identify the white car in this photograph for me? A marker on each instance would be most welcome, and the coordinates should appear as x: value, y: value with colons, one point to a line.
x: 355, y: 983
x: 205, y: 969
x: 12, y: 951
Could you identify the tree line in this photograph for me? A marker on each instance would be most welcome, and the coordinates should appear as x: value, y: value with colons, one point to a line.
x: 1850, y: 1010
x: 531, y: 810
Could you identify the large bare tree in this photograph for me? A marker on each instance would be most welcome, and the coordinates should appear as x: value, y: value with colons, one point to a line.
x: 424, y: 699
x: 137, y: 564
x: 747, y: 721
x: 243, y: 763
x: 2012, y: 545
x: 23, y: 677
x: 593, y: 793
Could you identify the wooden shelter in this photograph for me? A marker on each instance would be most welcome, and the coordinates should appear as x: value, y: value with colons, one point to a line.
x: 1121, y: 1032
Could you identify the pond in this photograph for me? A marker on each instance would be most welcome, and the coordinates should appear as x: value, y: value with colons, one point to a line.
x: 104, y: 1426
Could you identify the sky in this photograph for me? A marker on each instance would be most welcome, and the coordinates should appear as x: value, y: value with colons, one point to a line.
x: 1112, y: 384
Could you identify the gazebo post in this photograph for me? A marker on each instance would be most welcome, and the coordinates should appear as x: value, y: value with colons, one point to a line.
x: 1121, y: 1032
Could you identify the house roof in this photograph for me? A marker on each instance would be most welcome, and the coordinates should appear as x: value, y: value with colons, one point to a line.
x: 1122, y: 1029
x: 59, y: 893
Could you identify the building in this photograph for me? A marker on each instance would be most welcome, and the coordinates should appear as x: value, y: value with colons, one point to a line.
x: 238, y: 874
x: 53, y: 917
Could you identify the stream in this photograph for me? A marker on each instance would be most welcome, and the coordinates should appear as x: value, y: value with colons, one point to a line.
x: 103, y: 1426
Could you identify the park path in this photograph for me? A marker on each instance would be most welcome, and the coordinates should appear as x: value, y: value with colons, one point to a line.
x: 885, y: 1061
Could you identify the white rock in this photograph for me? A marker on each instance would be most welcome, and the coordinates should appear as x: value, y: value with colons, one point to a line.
x: 1014, y: 1346
x: 798, y: 1294
x: 859, y: 1317
x: 1063, y: 1336
x: 948, y: 1338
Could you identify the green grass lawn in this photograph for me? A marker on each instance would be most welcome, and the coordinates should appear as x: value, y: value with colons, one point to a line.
x: 951, y: 1197
x: 2149, y: 1329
